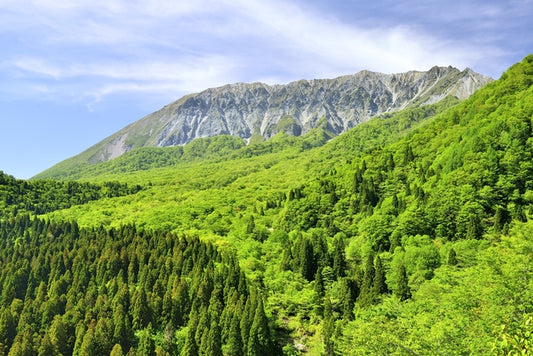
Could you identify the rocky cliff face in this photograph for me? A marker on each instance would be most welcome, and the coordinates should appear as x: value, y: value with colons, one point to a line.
x: 247, y: 109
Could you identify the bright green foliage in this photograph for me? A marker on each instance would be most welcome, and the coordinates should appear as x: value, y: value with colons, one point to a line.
x: 414, y: 229
x: 44, y: 196
x: 328, y: 327
x: 367, y: 294
x: 61, y: 293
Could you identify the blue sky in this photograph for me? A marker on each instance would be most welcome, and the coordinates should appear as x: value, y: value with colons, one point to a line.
x: 74, y: 72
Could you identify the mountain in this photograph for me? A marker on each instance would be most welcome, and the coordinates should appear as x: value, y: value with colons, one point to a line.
x: 409, y: 234
x: 258, y: 111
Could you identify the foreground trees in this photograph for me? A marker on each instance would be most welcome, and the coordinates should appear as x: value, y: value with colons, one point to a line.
x: 116, y: 291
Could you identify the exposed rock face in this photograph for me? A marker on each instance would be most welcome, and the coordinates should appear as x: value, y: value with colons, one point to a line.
x: 244, y: 109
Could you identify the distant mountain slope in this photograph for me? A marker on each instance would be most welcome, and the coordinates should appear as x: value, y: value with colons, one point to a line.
x: 261, y: 110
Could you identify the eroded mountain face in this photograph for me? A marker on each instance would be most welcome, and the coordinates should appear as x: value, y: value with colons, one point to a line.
x: 259, y: 109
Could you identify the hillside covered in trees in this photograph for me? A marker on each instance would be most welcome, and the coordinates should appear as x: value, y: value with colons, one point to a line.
x: 410, y: 234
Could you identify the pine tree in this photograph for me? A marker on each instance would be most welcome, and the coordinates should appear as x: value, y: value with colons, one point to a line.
x: 500, y: 219
x: 89, y: 346
x: 141, y: 311
x: 259, y: 342
x: 328, y: 327
x: 452, y: 258
x: 191, y: 347
x: 59, y: 336
x: 380, y: 286
x: 319, y: 284
x: 248, y: 318
x: 23, y: 344
x: 402, y: 289
x: 46, y: 348
x: 117, y: 351
x: 339, y: 257
x: 181, y: 302
x: 234, y: 345
x: 366, y: 295
x: 122, y: 334
x: 146, y: 343
x: 212, y: 346
x: 474, y: 229
x: 349, y: 295
x: 307, y: 259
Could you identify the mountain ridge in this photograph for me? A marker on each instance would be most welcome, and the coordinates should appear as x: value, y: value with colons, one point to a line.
x: 261, y: 110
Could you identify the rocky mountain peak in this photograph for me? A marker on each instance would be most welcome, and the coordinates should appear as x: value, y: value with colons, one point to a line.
x: 243, y: 109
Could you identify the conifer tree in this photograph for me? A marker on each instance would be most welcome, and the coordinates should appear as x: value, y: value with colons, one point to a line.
x: 117, y: 350
x: 191, y: 347
x: 474, y: 229
x: 328, y: 327
x: 500, y: 219
x: 339, y: 257
x: 58, y: 336
x: 141, y: 311
x: 234, y: 345
x: 23, y: 343
x: 203, y: 325
x: 319, y: 284
x: 122, y: 334
x: 402, y: 289
x: 46, y: 348
x: 380, y: 286
x: 146, y: 343
x: 248, y: 318
x: 452, y: 258
x: 307, y: 259
x: 259, y: 342
x: 366, y: 295
x: 348, y: 291
x: 89, y: 345
x: 181, y: 302
x: 212, y: 346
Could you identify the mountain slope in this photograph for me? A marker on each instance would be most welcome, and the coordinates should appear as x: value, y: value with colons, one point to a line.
x: 445, y: 208
x: 261, y: 111
x: 409, y: 234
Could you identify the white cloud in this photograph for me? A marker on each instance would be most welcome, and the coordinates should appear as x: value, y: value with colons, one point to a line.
x: 96, y: 48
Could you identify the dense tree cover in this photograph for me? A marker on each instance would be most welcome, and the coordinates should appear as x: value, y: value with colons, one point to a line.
x: 216, y: 149
x: 66, y: 290
x: 411, y: 234
x: 44, y: 196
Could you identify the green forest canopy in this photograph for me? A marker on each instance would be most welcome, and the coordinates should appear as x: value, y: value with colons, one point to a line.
x: 410, y: 234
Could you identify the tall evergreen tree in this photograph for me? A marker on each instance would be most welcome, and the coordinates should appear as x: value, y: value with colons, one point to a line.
x: 117, y: 350
x: 141, y: 312
x: 402, y: 289
x: 46, y: 348
x: 213, y: 345
x: 146, y: 343
x: 366, y: 295
x: 339, y: 257
x: 259, y: 342
x: 234, y: 345
x: 328, y: 327
x: 380, y: 285
x: 191, y: 347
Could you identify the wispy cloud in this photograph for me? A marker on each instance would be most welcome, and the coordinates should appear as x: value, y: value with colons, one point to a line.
x: 98, y: 48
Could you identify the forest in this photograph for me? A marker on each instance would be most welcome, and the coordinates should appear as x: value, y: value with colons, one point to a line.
x: 410, y: 234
